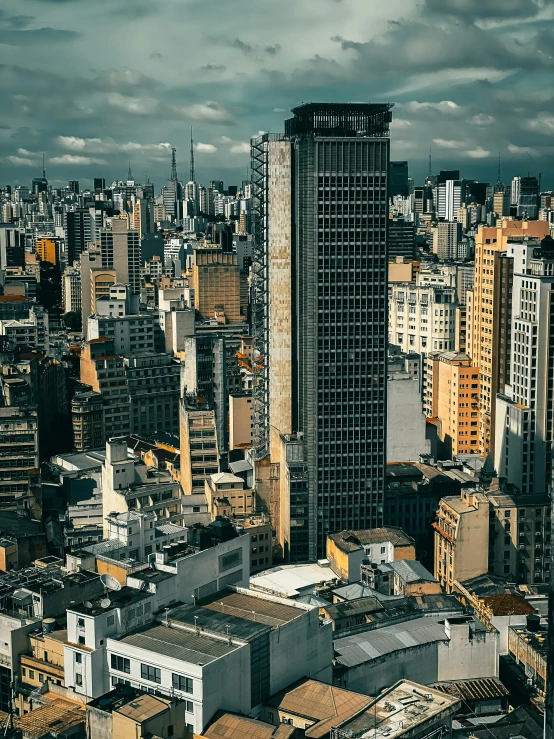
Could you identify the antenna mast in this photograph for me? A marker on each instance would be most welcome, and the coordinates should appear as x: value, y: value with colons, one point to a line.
x: 43, y: 168
x: 129, y: 174
x: 498, y: 175
x: 191, y: 157
x: 173, y: 164
x: 430, y: 172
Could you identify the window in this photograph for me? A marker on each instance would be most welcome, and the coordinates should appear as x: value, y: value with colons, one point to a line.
x: 81, y: 622
x: 23, y: 671
x: 229, y: 560
x: 154, y: 674
x: 40, y: 677
x: 32, y: 674
x: 183, y: 683
x: 170, y: 730
x: 78, y: 679
x: 78, y: 658
x: 190, y: 707
x: 81, y: 640
x: 122, y: 664
x: 110, y: 621
x: 190, y: 728
x: 383, y: 550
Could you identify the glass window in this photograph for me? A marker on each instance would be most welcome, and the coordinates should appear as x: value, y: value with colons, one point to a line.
x: 183, y: 683
x: 122, y: 664
x: 148, y: 672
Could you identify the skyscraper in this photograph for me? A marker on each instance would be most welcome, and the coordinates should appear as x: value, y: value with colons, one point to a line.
x: 320, y: 318
x: 398, y: 179
x: 120, y: 248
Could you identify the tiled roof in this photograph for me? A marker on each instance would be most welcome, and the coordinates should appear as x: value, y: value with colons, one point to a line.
x: 231, y: 726
x: 327, y: 705
x: 485, y: 688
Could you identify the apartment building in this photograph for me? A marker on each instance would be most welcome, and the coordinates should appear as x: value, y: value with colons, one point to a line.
x: 485, y: 304
x: 422, y: 317
x: 451, y: 395
x: 198, y: 445
x: 461, y: 538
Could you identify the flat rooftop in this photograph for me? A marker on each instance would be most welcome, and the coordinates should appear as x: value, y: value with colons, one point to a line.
x: 114, y: 599
x: 399, y: 710
x: 245, y: 615
x: 290, y: 580
x: 181, y: 644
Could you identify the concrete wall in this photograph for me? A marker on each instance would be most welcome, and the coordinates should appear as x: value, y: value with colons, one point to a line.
x: 419, y: 664
x: 405, y: 420
x: 468, y: 654
x: 280, y: 208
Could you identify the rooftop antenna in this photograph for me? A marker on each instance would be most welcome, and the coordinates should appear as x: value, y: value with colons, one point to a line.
x: 498, y: 174
x: 191, y: 157
x: 173, y: 165
x: 129, y: 174
x: 430, y: 172
x: 43, y: 168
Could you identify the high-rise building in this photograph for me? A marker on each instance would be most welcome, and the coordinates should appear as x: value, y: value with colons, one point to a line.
x: 398, y: 179
x: 486, y: 308
x: 524, y: 411
x: 74, y: 186
x: 80, y: 231
x: 446, y: 236
x: 99, y: 185
x: 501, y: 202
x: 19, y: 466
x: 422, y: 317
x: 528, y: 198
x: 402, y: 238
x: 320, y: 318
x: 120, y: 247
x: 47, y: 250
x: 142, y: 219
x: 12, y: 246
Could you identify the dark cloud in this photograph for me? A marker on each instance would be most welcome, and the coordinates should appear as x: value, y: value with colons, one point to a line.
x: 241, y: 46
x: 15, y: 31
x: 214, y: 67
x: 470, y: 10
x: 273, y: 49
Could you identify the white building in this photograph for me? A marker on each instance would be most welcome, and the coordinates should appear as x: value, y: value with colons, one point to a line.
x: 71, y: 290
x: 523, y: 421
x: 422, y: 317
x: 446, y: 235
x: 231, y: 652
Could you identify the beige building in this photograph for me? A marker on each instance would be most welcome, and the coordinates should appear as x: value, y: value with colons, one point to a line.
x: 45, y: 661
x: 215, y: 280
x: 227, y: 496
x: 484, y: 306
x: 96, y: 282
x: 451, y: 391
x: 198, y: 446
x: 461, y: 538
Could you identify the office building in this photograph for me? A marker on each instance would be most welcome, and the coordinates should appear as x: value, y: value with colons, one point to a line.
x: 216, y: 282
x: 446, y: 236
x: 12, y: 246
x: 142, y: 219
x: 524, y: 406
x: 528, y: 198
x: 320, y: 314
x: 154, y: 382
x: 198, y: 446
x: 47, y: 250
x: 501, y: 202
x: 486, y: 308
x: 80, y: 232
x: 120, y: 249
x: 402, y: 238
x: 448, y: 197
x: 19, y: 466
x: 87, y: 420
x: 71, y: 290
x: 96, y: 282
x: 398, y: 179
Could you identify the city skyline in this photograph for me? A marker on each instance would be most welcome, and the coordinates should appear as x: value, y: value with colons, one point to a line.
x: 475, y: 86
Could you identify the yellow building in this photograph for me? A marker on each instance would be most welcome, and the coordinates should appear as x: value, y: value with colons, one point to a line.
x: 45, y: 661
x: 451, y: 395
x: 461, y: 538
x: 484, y: 305
x: 46, y: 250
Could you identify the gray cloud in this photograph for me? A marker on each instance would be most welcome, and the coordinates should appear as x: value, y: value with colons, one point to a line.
x: 213, y: 67
x: 469, y: 10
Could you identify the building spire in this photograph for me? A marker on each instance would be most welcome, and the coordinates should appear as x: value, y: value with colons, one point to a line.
x: 129, y: 174
x: 191, y: 157
x: 430, y: 172
x: 498, y: 174
x: 43, y: 168
x: 173, y: 165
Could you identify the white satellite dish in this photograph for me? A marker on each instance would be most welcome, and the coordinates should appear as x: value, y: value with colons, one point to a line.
x: 108, y: 581
x: 87, y: 604
x: 105, y: 603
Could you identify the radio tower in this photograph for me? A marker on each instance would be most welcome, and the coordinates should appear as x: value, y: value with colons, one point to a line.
x: 43, y: 168
x: 191, y: 157
x: 430, y: 172
x: 173, y: 177
x: 129, y: 173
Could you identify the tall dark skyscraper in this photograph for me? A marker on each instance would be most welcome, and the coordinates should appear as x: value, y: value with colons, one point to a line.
x: 398, y: 179
x: 320, y: 319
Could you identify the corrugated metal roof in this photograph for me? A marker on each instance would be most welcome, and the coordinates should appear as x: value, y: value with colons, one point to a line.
x: 359, y: 648
x: 179, y: 644
x: 485, y: 688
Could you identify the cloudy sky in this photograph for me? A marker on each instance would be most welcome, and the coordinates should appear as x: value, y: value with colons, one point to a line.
x: 92, y: 83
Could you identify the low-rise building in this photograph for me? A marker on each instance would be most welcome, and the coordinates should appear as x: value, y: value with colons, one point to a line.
x: 427, y: 649
x: 347, y: 549
x: 197, y: 651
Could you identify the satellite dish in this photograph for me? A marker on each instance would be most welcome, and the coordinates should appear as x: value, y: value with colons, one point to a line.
x: 108, y: 581
x: 87, y: 604
x: 105, y: 603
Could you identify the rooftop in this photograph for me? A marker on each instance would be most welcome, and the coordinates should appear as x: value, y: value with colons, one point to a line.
x: 353, y: 540
x: 399, y: 710
x: 56, y: 717
x: 485, y: 688
x: 326, y: 705
x: 143, y: 707
x: 115, y: 599
x: 411, y: 571
x: 291, y: 580
x: 232, y: 726
x: 353, y: 608
x: 242, y: 615
x: 507, y: 604
x: 185, y: 645
x: 536, y: 640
